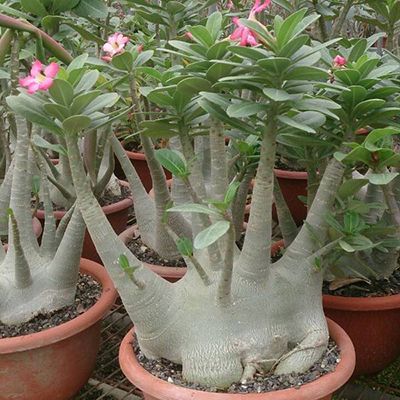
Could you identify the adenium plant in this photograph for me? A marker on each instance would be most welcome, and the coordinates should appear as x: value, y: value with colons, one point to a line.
x: 235, y: 311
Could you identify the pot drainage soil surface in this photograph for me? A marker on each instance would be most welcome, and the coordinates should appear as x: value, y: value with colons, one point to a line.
x: 171, y: 372
x: 87, y: 293
x: 376, y: 287
x: 147, y: 255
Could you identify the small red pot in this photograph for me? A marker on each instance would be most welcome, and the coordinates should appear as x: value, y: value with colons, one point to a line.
x: 322, y: 389
x: 55, y: 363
x: 373, y: 326
x: 139, y: 161
x: 117, y: 214
x: 292, y: 184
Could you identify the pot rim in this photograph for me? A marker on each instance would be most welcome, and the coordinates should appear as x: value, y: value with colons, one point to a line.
x: 74, y: 326
x: 315, y: 390
x: 377, y: 303
x: 135, y: 155
x: 297, y: 175
x: 164, y: 271
x: 109, y: 209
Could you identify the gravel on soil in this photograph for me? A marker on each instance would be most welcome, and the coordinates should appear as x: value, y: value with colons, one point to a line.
x: 147, y: 255
x: 374, y: 288
x: 87, y: 293
x: 171, y: 372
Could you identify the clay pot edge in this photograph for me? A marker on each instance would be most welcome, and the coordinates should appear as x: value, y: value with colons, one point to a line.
x: 315, y: 390
x: 76, y: 325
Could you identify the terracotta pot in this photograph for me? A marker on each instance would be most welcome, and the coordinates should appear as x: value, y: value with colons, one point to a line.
x: 139, y: 161
x: 322, y: 389
x: 171, y: 274
x: 117, y: 214
x: 292, y: 184
x: 37, y: 227
x: 373, y: 326
x: 55, y: 363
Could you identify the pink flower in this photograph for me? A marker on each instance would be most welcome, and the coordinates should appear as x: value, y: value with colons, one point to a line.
x: 339, y: 62
x: 230, y: 5
x: 41, y: 77
x: 115, y: 45
x: 189, y: 35
x: 244, y: 34
x: 258, y: 7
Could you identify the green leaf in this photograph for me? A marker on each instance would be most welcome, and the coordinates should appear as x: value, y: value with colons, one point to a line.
x: 143, y: 57
x: 40, y: 142
x: 193, y: 208
x: 355, y: 95
x: 34, y: 6
x: 231, y: 192
x: 211, y: 234
x: 83, y: 100
x: 367, y: 106
x: 193, y: 85
x: 291, y: 122
x: 376, y: 135
x: 91, y: 8
x: 275, y: 65
x: 123, y: 262
x: 358, y: 50
x: 351, y: 187
x: 293, y: 46
x: 76, y: 123
x: 174, y: 7
x: 288, y: 27
x: 346, y: 247
x: 123, y: 61
x: 185, y: 247
x: 62, y: 92
x: 102, y: 101
x: 279, y: 95
x: 307, y: 73
x: 201, y: 35
x: 348, y: 76
x: 214, y: 24
x: 78, y: 62
x: 382, y: 179
x: 87, y: 81
x: 172, y: 161
x: 57, y: 110
x: 29, y: 108
x: 244, y: 109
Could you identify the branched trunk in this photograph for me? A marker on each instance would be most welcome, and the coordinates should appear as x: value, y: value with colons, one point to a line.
x: 149, y: 305
x: 255, y: 256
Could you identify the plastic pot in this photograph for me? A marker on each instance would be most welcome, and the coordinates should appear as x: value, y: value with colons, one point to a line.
x: 321, y: 389
x: 373, y: 326
x: 292, y: 184
x: 55, y: 363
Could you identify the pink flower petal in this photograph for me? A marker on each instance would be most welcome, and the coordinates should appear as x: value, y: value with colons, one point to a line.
x: 108, y: 48
x: 113, y: 37
x: 237, y: 34
x: 51, y: 70
x: 258, y: 7
x: 45, y: 84
x: 33, y: 88
x: 106, y: 58
x: 36, y: 68
x: 28, y: 80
